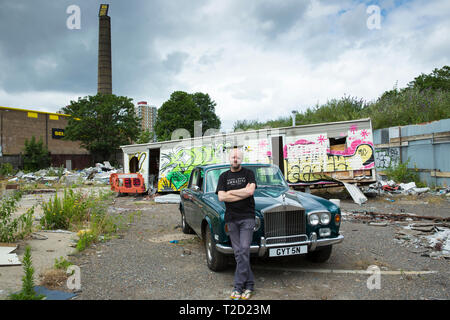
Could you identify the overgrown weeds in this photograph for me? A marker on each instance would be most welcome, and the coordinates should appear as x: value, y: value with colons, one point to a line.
x: 402, y: 173
x: 83, y: 213
x: 13, y: 229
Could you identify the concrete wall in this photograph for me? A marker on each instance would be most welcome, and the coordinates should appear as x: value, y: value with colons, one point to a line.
x: 427, y: 146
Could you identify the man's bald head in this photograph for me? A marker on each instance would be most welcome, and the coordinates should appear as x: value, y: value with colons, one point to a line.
x: 235, y: 159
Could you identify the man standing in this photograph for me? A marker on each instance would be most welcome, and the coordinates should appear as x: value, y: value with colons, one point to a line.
x: 236, y: 187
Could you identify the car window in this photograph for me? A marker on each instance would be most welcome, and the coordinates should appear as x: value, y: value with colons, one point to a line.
x: 268, y: 176
x: 194, y: 179
x: 212, y: 177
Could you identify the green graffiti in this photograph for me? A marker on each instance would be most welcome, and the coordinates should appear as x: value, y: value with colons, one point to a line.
x: 177, y: 178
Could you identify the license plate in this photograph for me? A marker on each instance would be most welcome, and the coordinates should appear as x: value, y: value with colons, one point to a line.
x: 287, y: 251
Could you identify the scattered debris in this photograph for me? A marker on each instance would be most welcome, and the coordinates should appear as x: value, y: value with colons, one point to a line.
x: 168, y: 198
x: 6, y: 257
x: 54, y: 294
x: 356, y: 194
x: 378, y: 224
x: 93, y: 175
x: 37, y: 236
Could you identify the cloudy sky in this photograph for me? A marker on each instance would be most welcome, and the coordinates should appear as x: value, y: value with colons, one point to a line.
x: 258, y: 59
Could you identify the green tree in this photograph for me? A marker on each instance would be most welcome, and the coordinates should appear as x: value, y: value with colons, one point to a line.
x: 102, y: 123
x: 207, y: 111
x: 179, y: 112
x: 36, y: 155
x: 145, y: 137
x: 439, y: 79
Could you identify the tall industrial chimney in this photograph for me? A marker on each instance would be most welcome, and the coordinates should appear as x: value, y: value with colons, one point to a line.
x: 104, y: 83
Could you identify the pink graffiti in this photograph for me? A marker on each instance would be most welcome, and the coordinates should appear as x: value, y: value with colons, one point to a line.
x: 301, y: 141
x: 262, y: 143
x: 349, y: 151
x: 353, y: 128
x: 269, y: 154
x: 321, y: 139
x: 364, y: 134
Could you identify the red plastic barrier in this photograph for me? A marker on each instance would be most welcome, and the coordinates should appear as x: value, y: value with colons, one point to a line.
x: 127, y: 182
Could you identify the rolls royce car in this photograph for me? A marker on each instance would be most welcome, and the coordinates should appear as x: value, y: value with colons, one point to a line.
x: 288, y: 222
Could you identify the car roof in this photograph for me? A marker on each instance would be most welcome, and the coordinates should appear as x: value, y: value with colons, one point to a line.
x: 227, y: 165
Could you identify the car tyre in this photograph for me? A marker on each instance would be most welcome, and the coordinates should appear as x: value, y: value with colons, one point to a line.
x: 320, y: 255
x: 184, y: 226
x: 215, y: 260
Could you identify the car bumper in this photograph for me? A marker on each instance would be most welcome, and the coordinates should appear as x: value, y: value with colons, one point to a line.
x: 261, y: 250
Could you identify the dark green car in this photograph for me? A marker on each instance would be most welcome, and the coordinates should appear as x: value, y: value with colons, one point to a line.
x: 287, y: 222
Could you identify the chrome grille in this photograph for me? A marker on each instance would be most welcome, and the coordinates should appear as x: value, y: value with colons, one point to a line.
x: 284, y: 226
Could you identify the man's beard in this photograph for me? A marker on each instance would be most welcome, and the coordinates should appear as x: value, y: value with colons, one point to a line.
x: 235, y: 165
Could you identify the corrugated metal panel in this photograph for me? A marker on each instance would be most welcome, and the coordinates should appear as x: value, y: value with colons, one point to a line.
x: 428, y: 154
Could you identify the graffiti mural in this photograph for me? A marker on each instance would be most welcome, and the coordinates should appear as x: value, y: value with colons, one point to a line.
x: 177, y: 163
x: 309, y: 158
x: 387, y: 157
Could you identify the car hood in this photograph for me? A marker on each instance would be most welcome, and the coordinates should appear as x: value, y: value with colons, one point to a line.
x: 269, y: 196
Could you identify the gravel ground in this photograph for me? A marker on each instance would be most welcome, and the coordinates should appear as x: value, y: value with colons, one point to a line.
x: 141, y: 263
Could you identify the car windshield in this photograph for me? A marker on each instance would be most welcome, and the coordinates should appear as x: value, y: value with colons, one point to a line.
x: 265, y: 176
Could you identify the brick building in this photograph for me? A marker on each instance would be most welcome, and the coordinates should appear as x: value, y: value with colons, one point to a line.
x: 16, y: 125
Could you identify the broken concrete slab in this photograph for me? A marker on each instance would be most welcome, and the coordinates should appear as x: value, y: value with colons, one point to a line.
x: 7, y: 258
x: 355, y: 193
x: 168, y: 198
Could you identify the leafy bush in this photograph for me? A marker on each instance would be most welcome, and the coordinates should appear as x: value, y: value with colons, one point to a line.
x: 36, y: 155
x: 62, y: 263
x: 401, y: 173
x: 12, y: 229
x: 76, y: 211
x: 6, y: 169
x: 64, y: 213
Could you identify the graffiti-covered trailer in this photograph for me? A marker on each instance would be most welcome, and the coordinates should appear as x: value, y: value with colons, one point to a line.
x: 309, y: 155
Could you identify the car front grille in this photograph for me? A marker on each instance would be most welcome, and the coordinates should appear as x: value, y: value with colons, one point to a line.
x: 284, y: 226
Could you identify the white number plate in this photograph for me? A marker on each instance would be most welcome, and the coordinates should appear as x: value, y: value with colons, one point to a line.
x: 287, y: 251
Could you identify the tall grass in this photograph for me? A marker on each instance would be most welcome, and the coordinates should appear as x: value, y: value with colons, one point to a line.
x: 77, y: 211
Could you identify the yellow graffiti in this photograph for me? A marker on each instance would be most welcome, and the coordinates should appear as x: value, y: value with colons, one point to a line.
x: 165, y: 185
x: 362, y: 155
x: 310, y: 169
x: 140, y: 156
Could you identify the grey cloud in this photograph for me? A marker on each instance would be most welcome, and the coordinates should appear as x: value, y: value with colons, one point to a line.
x: 277, y: 17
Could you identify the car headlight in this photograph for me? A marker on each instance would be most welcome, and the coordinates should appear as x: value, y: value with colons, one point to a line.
x: 325, y: 218
x: 313, y: 219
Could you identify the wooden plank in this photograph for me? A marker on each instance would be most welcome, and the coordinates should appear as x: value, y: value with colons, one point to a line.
x: 421, y: 137
x: 391, y: 145
x: 440, y: 174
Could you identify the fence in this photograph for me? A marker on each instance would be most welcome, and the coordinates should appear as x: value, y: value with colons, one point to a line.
x: 427, y: 146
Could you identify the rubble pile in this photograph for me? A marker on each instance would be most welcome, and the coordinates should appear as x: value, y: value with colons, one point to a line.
x: 430, y: 238
x: 88, y: 176
x: 389, y: 187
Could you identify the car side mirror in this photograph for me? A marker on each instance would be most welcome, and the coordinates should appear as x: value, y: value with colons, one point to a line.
x: 196, y: 188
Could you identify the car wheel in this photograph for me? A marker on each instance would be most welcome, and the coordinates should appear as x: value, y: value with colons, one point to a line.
x: 184, y: 226
x: 215, y: 260
x: 320, y: 255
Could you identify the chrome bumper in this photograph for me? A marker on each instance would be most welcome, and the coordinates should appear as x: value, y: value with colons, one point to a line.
x: 312, y: 244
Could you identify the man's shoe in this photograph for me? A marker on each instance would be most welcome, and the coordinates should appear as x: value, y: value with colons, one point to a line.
x: 235, y: 295
x: 247, y: 294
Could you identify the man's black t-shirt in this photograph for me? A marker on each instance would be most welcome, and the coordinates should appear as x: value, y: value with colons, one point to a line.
x: 230, y: 180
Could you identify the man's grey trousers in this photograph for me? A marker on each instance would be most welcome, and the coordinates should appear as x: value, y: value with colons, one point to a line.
x: 241, y: 234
